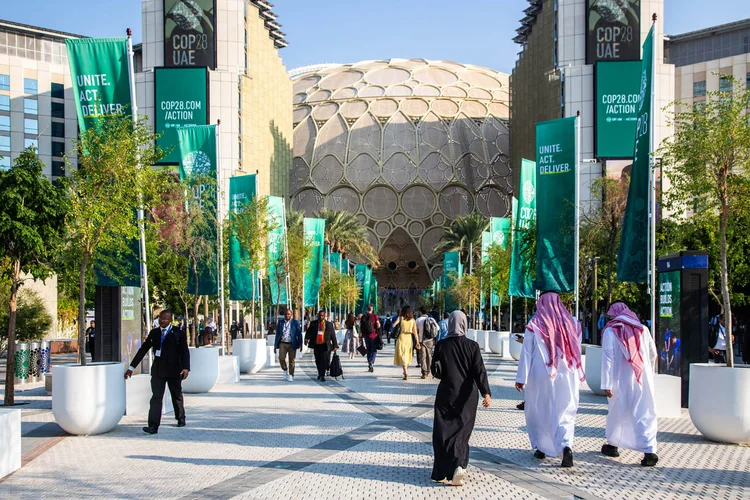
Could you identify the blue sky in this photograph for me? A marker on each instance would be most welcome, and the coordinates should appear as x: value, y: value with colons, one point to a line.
x: 468, y: 31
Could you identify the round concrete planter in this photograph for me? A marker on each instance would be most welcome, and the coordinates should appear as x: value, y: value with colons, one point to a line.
x: 515, y: 348
x: 593, y: 368
x: 88, y: 400
x: 719, y: 402
x: 252, y: 354
x: 271, y: 358
x: 471, y: 334
x: 204, y: 370
x: 495, y: 342
x: 482, y: 340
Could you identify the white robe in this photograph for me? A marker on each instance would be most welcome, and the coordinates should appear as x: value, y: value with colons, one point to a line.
x: 551, y: 404
x: 631, y: 421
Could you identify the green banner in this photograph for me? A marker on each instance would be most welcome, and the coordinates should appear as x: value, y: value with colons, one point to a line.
x: 486, y: 242
x: 632, y: 257
x: 364, y: 280
x: 242, y: 286
x: 500, y: 230
x: 198, y: 157
x: 556, y: 160
x: 374, y: 294
x: 277, y: 250
x: 617, y: 86
x: 180, y: 100
x: 99, y: 73
x: 315, y: 234
x: 345, y: 266
x: 524, y: 213
x: 667, y: 334
x: 451, y: 271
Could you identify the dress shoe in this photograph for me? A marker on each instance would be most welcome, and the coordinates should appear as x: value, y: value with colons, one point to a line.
x: 322, y: 379
x: 610, y: 451
x: 521, y: 406
x: 538, y: 454
x: 181, y: 422
x: 567, y: 460
x: 150, y: 430
x: 649, y: 459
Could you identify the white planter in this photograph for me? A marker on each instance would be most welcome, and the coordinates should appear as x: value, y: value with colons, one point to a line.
x: 10, y: 437
x: 138, y: 396
x: 514, y: 348
x: 495, y: 342
x: 271, y: 359
x: 88, y: 399
x: 270, y: 340
x: 204, y: 370
x: 667, y: 396
x: 719, y: 401
x: 472, y: 335
x: 229, y: 370
x: 482, y: 340
x: 252, y: 354
x: 506, y: 340
x: 593, y: 368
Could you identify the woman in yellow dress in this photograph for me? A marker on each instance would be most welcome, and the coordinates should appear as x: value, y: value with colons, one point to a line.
x: 404, y: 346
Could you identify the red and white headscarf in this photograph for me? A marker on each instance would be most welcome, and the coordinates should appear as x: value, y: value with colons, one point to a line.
x: 628, y: 330
x: 560, y: 333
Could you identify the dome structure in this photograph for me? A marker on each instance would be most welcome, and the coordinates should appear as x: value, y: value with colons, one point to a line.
x: 406, y: 144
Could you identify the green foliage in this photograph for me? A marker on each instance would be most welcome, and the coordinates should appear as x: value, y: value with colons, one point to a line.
x: 32, y: 319
x: 707, y: 160
x: 344, y: 234
x: 250, y: 225
x: 463, y: 233
x: 335, y: 285
x: 300, y: 251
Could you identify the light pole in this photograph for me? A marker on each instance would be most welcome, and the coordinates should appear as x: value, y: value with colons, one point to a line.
x: 594, y: 261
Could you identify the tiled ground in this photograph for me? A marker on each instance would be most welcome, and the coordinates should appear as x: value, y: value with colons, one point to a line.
x: 367, y: 436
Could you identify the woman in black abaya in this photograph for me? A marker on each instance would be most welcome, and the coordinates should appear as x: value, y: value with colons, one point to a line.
x: 458, y: 364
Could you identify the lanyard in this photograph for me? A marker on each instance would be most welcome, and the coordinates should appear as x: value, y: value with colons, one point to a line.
x: 161, y: 343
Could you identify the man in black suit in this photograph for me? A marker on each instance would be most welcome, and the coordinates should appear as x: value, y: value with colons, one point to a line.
x: 171, y: 366
x: 322, y: 336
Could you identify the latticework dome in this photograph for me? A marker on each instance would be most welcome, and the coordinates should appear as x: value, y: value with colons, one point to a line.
x: 406, y: 144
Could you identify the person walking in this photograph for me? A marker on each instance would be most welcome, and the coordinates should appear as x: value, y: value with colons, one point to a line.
x: 322, y: 336
x: 91, y: 338
x: 427, y: 331
x: 406, y: 340
x: 171, y: 366
x: 370, y: 330
x: 443, y: 325
x: 628, y: 357
x: 550, y: 369
x: 459, y: 366
x: 351, y: 337
x: 717, y: 339
x: 288, y: 341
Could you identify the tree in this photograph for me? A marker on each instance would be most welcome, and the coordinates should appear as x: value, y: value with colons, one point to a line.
x: 31, y: 227
x: 32, y: 319
x: 463, y: 233
x: 105, y: 191
x: 706, y: 162
x: 300, y: 251
x: 345, y: 234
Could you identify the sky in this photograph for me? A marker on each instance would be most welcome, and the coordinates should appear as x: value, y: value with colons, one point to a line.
x: 345, y: 31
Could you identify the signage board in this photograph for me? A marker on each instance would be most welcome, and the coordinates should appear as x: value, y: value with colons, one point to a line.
x: 617, y: 92
x: 190, y: 33
x: 613, y: 31
x: 180, y: 100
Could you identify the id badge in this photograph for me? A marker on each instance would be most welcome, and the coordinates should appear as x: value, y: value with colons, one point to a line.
x: 158, y: 353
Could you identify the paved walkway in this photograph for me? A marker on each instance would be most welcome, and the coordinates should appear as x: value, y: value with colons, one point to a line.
x: 368, y: 436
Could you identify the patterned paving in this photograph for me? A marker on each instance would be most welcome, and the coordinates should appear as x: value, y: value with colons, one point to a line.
x: 365, y: 436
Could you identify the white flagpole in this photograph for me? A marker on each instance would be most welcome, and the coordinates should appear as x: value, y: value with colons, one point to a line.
x: 144, y: 270
x: 219, y: 220
x: 652, y: 178
x: 576, y: 271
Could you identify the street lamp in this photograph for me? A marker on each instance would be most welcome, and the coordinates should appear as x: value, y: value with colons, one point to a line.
x: 594, y: 261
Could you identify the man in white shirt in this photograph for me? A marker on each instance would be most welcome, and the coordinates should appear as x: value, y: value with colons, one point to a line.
x: 427, y: 339
x: 719, y: 349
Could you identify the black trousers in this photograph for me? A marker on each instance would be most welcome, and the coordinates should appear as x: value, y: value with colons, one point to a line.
x: 322, y: 360
x: 157, y: 396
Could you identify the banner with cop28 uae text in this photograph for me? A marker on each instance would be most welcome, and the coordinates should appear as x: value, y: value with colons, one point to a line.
x: 524, y: 213
x: 314, y: 230
x: 243, y: 284
x: 556, y: 163
x: 101, y: 81
x: 198, y: 164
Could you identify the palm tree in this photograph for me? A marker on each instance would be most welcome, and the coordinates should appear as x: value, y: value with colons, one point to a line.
x: 346, y: 235
x: 463, y: 233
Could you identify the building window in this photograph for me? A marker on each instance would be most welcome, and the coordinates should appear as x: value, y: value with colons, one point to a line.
x: 30, y: 106
x: 5, y: 162
x: 4, y: 123
x: 4, y: 143
x: 30, y: 126
x: 725, y: 84
x: 58, y: 168
x: 747, y: 81
x: 58, y: 149
x: 699, y: 88
x: 27, y: 143
x: 4, y: 82
x: 57, y: 91
x: 4, y: 102
x: 58, y: 110
x: 30, y: 86
x: 57, y: 129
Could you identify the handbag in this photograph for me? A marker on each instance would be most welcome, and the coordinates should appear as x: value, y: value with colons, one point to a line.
x: 379, y: 343
x: 362, y: 350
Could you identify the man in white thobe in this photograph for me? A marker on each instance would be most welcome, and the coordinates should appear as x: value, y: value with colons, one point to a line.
x: 628, y: 356
x: 551, y: 371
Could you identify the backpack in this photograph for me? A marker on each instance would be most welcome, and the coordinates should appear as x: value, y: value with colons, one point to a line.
x: 365, y: 326
x: 429, y: 329
x: 335, y: 370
